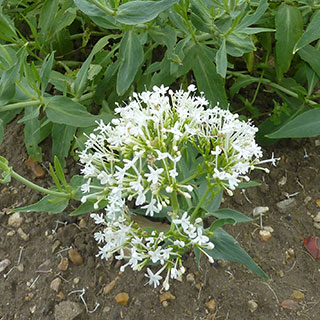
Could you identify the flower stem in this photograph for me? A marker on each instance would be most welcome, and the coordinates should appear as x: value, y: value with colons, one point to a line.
x: 196, y: 209
x: 174, y: 201
x: 36, y: 187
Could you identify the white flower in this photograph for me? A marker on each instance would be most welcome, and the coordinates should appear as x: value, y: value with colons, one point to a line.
x: 151, y: 208
x: 154, y: 279
x: 153, y: 176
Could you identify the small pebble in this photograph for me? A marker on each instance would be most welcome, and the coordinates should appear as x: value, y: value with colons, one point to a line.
x: 76, y: 280
x: 55, y: 284
x: 110, y: 286
x: 317, y: 217
x: 20, y: 267
x: 286, y: 204
x: 198, y: 286
x: 15, y: 220
x: 317, y: 143
x: 122, y: 298
x: 67, y: 310
x: 190, y: 277
x: 33, y: 309
x: 297, y: 295
x: 75, y: 257
x: 211, y: 305
x: 55, y: 246
x: 282, y: 181
x: 281, y: 274
x: 165, y: 304
x: 82, y: 223
x: 61, y: 295
x: 106, y: 309
x: 166, y: 296
x: 11, y: 233
x: 257, y: 211
x: 64, y: 264
x: 264, y: 235
x: 316, y: 225
x: 252, y: 305
x: 23, y: 235
x: 289, y: 304
x: 307, y: 199
x: 4, y: 264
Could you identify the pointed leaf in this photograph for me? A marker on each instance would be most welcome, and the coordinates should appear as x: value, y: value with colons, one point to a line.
x: 135, y: 12
x: 46, y: 71
x: 227, y: 248
x: 311, y: 55
x: 1, y: 130
x: 207, y: 78
x: 311, y: 34
x: 221, y: 59
x: 131, y: 57
x: 32, y: 135
x: 63, y: 110
x: 62, y: 136
x: 220, y: 223
x: 304, y: 125
x: 289, y: 26
x: 50, y: 204
x: 87, y: 207
x: 229, y: 213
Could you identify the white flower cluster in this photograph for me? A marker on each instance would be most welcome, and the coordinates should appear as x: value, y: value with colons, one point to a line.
x: 137, y: 161
x: 139, y: 248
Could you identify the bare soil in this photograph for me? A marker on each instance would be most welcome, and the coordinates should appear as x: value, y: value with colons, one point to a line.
x: 26, y: 294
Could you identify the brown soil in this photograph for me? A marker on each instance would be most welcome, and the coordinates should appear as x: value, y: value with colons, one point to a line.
x: 27, y: 294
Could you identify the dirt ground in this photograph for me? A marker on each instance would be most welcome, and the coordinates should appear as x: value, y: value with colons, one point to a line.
x: 27, y: 290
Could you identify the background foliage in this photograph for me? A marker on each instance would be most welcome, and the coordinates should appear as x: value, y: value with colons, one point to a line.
x: 63, y: 64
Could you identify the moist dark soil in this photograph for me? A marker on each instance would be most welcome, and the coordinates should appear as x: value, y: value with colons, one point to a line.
x: 26, y: 291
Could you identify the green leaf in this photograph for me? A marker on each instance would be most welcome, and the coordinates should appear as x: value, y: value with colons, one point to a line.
x: 207, y: 78
x: 250, y: 184
x: 62, y: 136
x: 87, y: 207
x: 88, y: 8
x: 50, y: 204
x: 250, y: 19
x: 289, y: 26
x: 46, y: 71
x: 63, y: 110
x: 312, y: 32
x: 238, y: 44
x: 46, y: 19
x: 237, y: 216
x: 227, y: 248
x: 163, y: 35
x: 32, y: 134
x: 82, y: 76
x: 221, y: 222
x: 304, y: 125
x: 135, y: 12
x: 221, y: 59
x: 241, y: 82
x: 131, y: 57
x: 311, y: 55
x: 7, y: 83
x: 59, y: 171
x: 1, y: 130
x: 7, y: 29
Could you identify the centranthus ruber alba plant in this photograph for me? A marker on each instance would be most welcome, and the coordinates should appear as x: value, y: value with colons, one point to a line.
x: 168, y: 157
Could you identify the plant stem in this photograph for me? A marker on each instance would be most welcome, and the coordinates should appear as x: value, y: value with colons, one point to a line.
x: 275, y: 86
x: 18, y: 105
x: 196, y: 209
x: 174, y: 201
x: 36, y: 187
